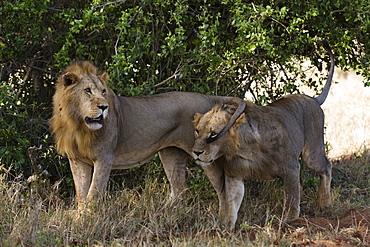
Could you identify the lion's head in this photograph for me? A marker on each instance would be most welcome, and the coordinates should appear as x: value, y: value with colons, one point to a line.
x: 80, y: 103
x: 209, y: 146
x: 83, y: 88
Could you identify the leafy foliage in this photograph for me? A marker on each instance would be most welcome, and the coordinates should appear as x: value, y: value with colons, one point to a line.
x: 151, y: 46
x: 11, y: 132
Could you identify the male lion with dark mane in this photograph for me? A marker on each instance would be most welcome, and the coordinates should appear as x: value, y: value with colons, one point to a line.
x: 100, y: 131
x: 264, y: 142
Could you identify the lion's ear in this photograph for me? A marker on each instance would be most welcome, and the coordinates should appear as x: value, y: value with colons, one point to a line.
x: 197, y: 117
x: 70, y: 78
x: 230, y: 108
x: 241, y: 119
x: 104, y: 77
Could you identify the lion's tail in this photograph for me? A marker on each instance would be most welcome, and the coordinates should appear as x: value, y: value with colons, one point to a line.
x: 322, y: 97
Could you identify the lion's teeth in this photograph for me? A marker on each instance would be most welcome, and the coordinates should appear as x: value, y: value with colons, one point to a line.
x: 94, y: 120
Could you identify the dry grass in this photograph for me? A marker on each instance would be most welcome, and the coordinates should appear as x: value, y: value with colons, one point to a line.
x: 35, y: 214
x: 347, y: 115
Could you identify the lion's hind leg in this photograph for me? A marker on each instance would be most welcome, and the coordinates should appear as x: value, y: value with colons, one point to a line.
x: 324, y: 194
x: 234, y: 188
x: 174, y: 162
x: 316, y: 160
x: 216, y: 175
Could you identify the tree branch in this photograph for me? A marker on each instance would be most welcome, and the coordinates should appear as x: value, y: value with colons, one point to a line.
x: 175, y: 74
x: 107, y: 4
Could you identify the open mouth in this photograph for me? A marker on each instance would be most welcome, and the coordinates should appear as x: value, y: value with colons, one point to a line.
x: 98, y: 120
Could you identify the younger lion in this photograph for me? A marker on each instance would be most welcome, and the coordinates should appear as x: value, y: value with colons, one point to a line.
x: 264, y: 142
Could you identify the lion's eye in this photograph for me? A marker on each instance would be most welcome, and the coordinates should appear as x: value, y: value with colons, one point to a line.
x: 213, y: 135
x: 104, y: 91
x: 88, y: 90
x: 196, y: 132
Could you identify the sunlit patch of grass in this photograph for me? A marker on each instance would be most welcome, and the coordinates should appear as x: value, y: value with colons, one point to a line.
x: 347, y: 115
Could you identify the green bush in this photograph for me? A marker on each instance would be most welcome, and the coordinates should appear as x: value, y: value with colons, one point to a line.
x: 209, y: 46
x: 24, y: 125
x: 13, y: 127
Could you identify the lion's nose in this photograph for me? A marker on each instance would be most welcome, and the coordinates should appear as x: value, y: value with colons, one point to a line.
x: 198, y: 152
x: 103, y: 107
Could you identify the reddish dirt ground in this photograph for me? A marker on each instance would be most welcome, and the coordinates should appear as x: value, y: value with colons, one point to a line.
x: 351, y: 230
x: 352, y: 218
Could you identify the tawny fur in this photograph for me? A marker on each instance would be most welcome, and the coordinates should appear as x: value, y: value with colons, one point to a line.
x: 264, y: 142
